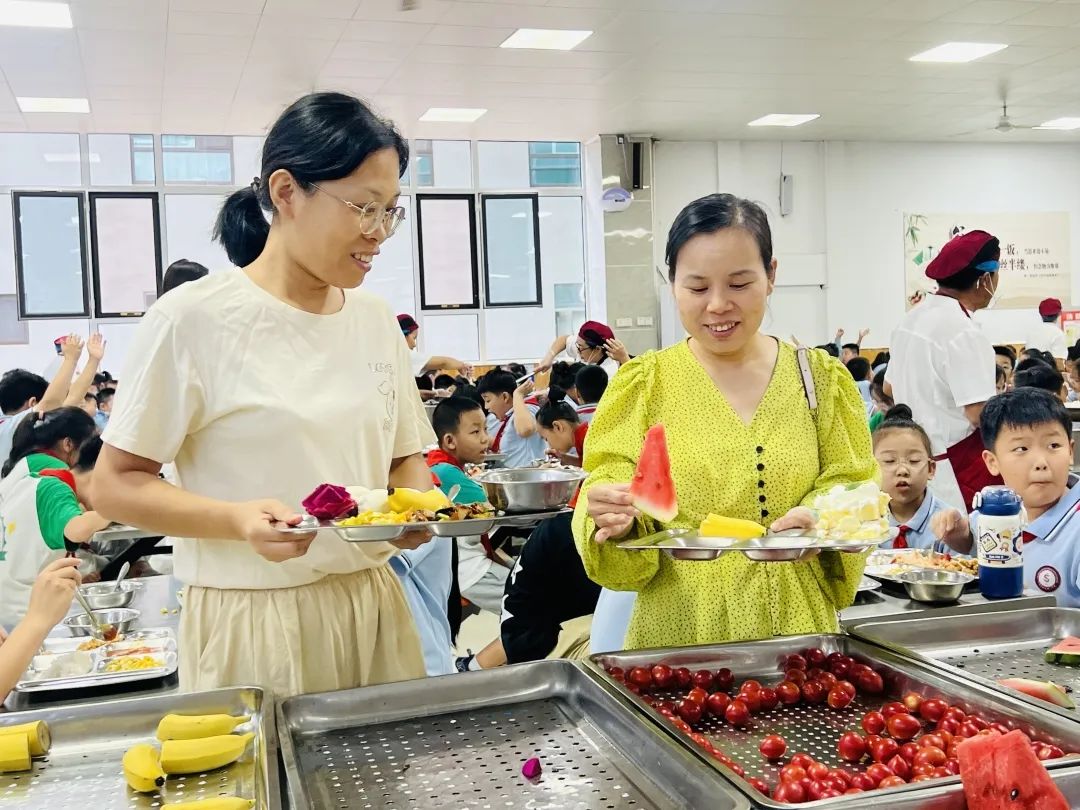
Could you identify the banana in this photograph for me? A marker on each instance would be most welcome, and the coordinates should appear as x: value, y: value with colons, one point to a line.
x: 14, y: 753
x: 194, y: 756
x: 142, y: 768
x: 217, y: 803
x: 718, y: 526
x: 196, y: 727
x: 404, y: 499
x: 37, y: 734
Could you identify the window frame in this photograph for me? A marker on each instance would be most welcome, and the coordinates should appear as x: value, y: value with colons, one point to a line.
x: 20, y: 280
x: 535, y: 199
x: 418, y: 200
x: 95, y: 276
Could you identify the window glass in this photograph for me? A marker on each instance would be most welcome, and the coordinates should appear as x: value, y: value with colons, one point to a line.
x: 446, y: 236
x: 511, y: 262
x: 126, y: 252
x: 40, y: 159
x: 49, y: 258
x: 197, y: 159
x: 442, y: 164
x: 554, y: 163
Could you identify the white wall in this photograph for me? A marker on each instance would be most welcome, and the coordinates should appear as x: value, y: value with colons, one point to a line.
x: 846, y: 229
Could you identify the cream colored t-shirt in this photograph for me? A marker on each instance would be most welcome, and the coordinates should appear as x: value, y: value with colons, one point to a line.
x: 252, y: 398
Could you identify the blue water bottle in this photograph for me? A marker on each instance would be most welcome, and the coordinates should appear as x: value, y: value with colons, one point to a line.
x: 999, y: 533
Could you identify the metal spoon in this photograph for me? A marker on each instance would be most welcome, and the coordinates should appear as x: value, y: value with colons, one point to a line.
x: 105, y: 632
x: 120, y: 577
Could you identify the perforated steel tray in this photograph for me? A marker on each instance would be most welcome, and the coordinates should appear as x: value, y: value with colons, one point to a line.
x: 83, y: 770
x: 460, y: 741
x: 816, y: 729
x: 988, y: 645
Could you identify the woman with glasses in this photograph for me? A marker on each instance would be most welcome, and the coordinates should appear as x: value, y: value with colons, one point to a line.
x: 262, y: 383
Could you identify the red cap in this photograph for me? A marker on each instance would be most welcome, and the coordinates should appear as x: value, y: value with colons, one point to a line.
x: 408, y: 324
x: 1049, y: 307
x: 962, y: 252
x: 595, y: 333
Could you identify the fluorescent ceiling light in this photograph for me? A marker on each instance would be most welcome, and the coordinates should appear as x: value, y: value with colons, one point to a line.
x: 453, y: 115
x: 35, y: 15
x: 783, y: 120
x: 958, y: 52
x: 1060, y: 124
x: 29, y: 104
x: 546, y: 39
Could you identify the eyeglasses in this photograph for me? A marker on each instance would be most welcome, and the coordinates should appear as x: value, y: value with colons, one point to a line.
x: 372, y: 215
x: 911, y: 464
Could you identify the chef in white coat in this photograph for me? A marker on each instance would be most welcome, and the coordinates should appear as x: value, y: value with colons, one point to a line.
x: 1046, y: 336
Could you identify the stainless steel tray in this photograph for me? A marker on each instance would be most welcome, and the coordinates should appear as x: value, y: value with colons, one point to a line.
x: 816, y: 729
x: 460, y: 741
x: 882, y: 570
x: 83, y: 770
x: 439, y: 528
x: 789, y: 546
x: 162, y: 637
x: 988, y: 645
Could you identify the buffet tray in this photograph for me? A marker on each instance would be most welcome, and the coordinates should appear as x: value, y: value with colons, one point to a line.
x: 163, y: 638
x: 380, y: 533
x: 880, y: 568
x: 83, y: 770
x: 988, y: 645
x: 816, y: 729
x: 789, y: 546
x: 460, y: 741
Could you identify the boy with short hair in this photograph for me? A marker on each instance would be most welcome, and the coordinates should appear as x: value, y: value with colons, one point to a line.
x: 104, y: 404
x: 1028, y: 438
x: 514, y: 414
x: 591, y: 382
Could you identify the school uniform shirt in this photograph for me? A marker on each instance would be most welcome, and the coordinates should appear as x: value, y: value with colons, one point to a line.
x: 473, y: 561
x: 916, y: 529
x: 101, y: 419
x: 34, y: 509
x: 1052, y: 549
x: 253, y: 398
x: 520, y: 451
x: 1047, y: 337
x: 425, y: 575
x: 585, y: 412
x: 8, y: 423
x: 611, y: 620
x: 608, y: 365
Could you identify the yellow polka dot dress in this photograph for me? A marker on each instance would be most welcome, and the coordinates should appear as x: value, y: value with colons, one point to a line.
x: 782, y: 459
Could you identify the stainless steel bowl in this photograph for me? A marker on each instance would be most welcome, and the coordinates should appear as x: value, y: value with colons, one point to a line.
x: 495, y: 461
x: 103, y: 595
x: 529, y: 489
x: 932, y: 585
x: 120, y: 618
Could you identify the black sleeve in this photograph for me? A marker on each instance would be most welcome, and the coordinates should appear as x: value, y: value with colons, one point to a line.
x: 547, y: 587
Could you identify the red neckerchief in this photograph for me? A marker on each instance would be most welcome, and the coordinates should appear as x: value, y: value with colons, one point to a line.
x: 579, y: 440
x: 965, y: 309
x: 440, y: 456
x: 64, y: 475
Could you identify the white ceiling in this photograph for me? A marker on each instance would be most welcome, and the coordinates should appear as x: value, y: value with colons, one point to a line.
x: 670, y: 68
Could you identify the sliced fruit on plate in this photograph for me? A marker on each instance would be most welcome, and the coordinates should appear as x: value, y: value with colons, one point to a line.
x: 1003, y: 773
x: 1043, y: 690
x: 718, y: 526
x: 652, y: 487
x: 1066, y: 651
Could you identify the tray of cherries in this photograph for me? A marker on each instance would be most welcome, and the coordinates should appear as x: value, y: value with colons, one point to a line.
x: 829, y: 718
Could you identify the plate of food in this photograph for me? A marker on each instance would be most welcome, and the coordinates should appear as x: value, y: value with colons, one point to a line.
x: 891, y: 565
x: 72, y: 663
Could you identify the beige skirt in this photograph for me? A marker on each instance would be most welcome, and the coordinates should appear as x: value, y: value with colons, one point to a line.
x: 344, y: 631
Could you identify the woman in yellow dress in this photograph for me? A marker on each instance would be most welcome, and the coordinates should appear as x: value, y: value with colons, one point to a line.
x: 744, y: 443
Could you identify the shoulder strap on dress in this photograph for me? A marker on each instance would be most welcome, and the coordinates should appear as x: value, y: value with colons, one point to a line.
x: 802, y: 356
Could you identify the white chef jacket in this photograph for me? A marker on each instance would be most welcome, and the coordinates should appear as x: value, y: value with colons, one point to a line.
x: 571, y: 351
x: 1047, y: 337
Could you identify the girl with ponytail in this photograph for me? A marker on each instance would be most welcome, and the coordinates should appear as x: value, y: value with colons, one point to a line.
x: 264, y: 382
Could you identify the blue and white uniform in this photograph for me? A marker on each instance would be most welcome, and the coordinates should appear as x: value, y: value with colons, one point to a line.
x: 1052, y: 549
x: 918, y: 533
x: 611, y: 618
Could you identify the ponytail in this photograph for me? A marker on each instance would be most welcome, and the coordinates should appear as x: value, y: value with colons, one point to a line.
x: 555, y: 408
x: 39, y: 433
x: 241, y: 227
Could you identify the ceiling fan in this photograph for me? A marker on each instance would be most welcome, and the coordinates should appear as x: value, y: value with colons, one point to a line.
x: 1004, y: 124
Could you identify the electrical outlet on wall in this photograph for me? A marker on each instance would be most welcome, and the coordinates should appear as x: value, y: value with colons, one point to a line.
x: 624, y: 323
x: 645, y: 321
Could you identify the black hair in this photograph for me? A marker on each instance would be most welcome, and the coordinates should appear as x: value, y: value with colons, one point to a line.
x: 830, y: 349
x: 556, y: 408
x: 88, y: 455
x: 967, y: 278
x: 859, y: 368
x: 1039, y: 375
x: 424, y: 383
x: 592, y: 382
x: 102, y: 377
x: 851, y: 347
x: 320, y: 136
x: 714, y: 213
x: 999, y: 374
x: 1073, y: 352
x: 1006, y: 351
x: 181, y: 272
x: 1029, y: 363
x: 104, y: 395
x: 877, y: 386
x: 19, y: 386
x: 881, y: 359
x: 899, y: 417
x: 38, y: 432
x: 1021, y: 408
x: 88, y: 395
x: 1050, y: 318
x: 448, y: 413
x: 516, y: 369
x: 469, y: 391
x: 497, y: 382
x: 445, y: 381
x: 562, y: 376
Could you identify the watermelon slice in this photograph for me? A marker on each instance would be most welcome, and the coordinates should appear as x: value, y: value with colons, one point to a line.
x: 652, y: 487
x: 1066, y: 651
x: 1042, y: 690
x: 1003, y: 773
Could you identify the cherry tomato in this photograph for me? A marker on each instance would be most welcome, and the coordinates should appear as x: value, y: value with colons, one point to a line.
x: 663, y: 676
x: 773, y: 747
x: 717, y: 704
x: 884, y: 749
x: 633, y: 689
x: 968, y: 729
x: 818, y: 771
x: 665, y: 706
x: 863, y: 782
x: 788, y: 693
x: 839, y: 698
x: 827, y: 679
x: 921, y: 777
x: 814, y: 673
x: 803, y: 761
x: 616, y: 672
x: 640, y: 677
x: 1043, y: 753
x: 698, y: 695
x: 759, y: 785
x: 752, y: 700
x: 689, y: 710
x: 1054, y: 752
x: 873, y: 722
x: 815, y: 657
x: 1000, y: 728
x: 948, y: 725
x: 796, y: 676
x: 932, y: 740
x: 852, y: 746
x: 979, y: 723
x: 840, y: 669
x: 913, y: 700
x: 956, y: 713
x: 832, y: 658
x: 930, y: 755
x: 789, y: 793
x: 889, y: 709
x: 908, y: 751
x: 737, y: 713
x: 899, y: 766
x: 871, y: 683
x: 952, y: 766
x: 842, y: 775
x: 681, y: 725
x: 877, y: 772
x: 856, y: 670
x: 769, y: 699
x: 903, y: 726
x: 703, y: 678
x: 831, y: 793
x: 813, y: 692
x: 701, y: 741
x: 891, y: 781
x: 851, y: 791
x: 737, y: 768
x: 816, y: 790
x: 723, y: 680
x: 721, y: 757
x: 922, y: 769
x: 795, y: 661
x: 941, y: 773
x: 933, y: 709
x: 750, y: 685
x: 683, y: 678
x: 792, y: 773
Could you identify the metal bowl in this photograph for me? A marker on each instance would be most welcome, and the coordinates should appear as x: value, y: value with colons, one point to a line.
x: 529, y: 489
x: 933, y: 585
x: 120, y: 618
x: 495, y: 461
x: 104, y: 596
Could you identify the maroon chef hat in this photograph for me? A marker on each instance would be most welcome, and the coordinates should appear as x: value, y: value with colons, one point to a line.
x: 963, y: 252
x: 1049, y: 308
x: 408, y: 324
x: 595, y: 334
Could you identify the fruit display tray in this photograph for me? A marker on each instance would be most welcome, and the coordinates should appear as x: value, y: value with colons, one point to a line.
x: 83, y: 769
x: 987, y: 645
x: 789, y: 546
x: 815, y: 729
x: 381, y: 533
x: 460, y: 741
